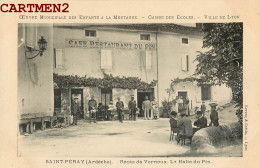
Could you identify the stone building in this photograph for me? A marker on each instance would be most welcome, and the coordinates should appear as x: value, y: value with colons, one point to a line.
x: 149, y: 52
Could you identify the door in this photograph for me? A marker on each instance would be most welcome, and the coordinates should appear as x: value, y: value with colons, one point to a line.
x: 78, y: 93
x: 106, y: 97
x: 185, y: 103
x: 57, y: 101
x: 140, y: 98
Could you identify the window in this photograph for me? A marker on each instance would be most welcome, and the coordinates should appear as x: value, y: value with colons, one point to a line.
x: 145, y: 37
x: 185, y: 63
x: 57, y: 98
x: 90, y: 33
x: 185, y: 41
x: 205, y: 92
x: 146, y: 60
x: 106, y: 59
x: 58, y: 58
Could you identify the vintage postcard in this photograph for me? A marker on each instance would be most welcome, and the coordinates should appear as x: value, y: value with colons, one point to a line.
x: 129, y: 83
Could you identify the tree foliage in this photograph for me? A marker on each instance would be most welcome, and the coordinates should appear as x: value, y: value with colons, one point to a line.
x: 222, y: 61
x: 109, y: 81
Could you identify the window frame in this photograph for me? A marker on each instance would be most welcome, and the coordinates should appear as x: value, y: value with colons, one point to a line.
x: 209, y: 92
x: 145, y: 34
x: 183, y: 37
x: 90, y: 31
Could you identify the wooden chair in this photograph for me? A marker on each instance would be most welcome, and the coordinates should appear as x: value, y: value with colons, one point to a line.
x: 184, y: 137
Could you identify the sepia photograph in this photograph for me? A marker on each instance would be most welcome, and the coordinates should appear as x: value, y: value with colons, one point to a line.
x: 130, y: 90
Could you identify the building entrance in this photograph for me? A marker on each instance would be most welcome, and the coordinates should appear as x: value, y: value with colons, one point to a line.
x: 140, y: 98
x: 78, y: 93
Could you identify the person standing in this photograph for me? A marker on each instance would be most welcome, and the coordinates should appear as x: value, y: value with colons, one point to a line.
x: 75, y: 111
x: 110, y: 110
x: 132, y: 108
x: 186, y: 102
x: 180, y: 104
x: 92, y: 107
x: 154, y: 110
x: 120, y: 107
x: 213, y: 115
x: 203, y: 108
x: 146, y: 106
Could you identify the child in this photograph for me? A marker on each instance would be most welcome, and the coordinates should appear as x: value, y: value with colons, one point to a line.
x: 173, y: 124
x: 155, y: 109
x: 110, y: 110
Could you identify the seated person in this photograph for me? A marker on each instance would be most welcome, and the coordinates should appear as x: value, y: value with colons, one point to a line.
x: 173, y: 124
x: 201, y: 121
x: 185, y: 127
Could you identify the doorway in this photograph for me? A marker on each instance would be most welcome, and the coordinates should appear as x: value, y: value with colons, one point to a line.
x: 185, y: 102
x: 140, y: 98
x: 78, y: 93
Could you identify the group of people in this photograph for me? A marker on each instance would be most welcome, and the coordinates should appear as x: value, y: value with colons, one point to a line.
x: 150, y: 109
x: 183, y: 126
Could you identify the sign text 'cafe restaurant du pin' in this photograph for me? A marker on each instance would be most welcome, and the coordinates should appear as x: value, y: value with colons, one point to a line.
x: 76, y: 43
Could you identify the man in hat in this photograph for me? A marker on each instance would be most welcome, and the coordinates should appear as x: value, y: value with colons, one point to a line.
x: 119, y: 108
x: 146, y: 106
x: 132, y: 108
x: 92, y: 107
x: 201, y: 121
x: 213, y: 115
x: 203, y: 108
x: 173, y: 124
x: 75, y: 111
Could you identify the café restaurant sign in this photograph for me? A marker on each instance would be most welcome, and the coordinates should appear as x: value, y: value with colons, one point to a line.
x: 85, y: 43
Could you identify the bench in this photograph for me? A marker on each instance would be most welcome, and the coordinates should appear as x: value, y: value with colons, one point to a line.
x: 30, y: 121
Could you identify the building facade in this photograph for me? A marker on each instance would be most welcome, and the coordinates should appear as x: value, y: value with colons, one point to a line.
x: 149, y: 52
x: 93, y: 51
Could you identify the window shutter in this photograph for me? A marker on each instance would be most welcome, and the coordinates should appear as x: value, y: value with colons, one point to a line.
x: 58, y: 58
x: 106, y: 59
x: 206, y: 92
x: 183, y: 63
x: 103, y: 59
x: 148, y: 61
x: 187, y: 62
x: 109, y: 59
x: 142, y: 59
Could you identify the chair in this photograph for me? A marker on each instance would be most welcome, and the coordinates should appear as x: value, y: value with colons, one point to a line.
x: 183, y: 137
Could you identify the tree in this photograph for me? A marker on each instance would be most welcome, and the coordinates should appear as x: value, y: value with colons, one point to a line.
x: 222, y: 62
